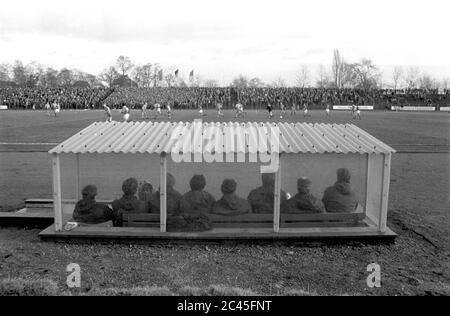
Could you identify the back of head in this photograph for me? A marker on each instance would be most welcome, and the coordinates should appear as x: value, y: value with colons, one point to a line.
x: 303, y: 185
x: 129, y: 186
x: 343, y: 175
x: 228, y: 186
x: 89, y: 191
x: 268, y: 179
x: 170, y: 180
x: 198, y: 182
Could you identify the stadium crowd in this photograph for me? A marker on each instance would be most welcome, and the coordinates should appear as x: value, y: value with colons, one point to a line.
x: 193, y: 97
x: 37, y: 97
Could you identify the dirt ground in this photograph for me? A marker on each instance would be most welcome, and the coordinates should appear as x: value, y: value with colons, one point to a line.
x: 418, y: 263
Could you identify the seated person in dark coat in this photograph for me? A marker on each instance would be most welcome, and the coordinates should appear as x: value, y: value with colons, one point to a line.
x: 303, y: 201
x: 89, y: 211
x: 230, y: 203
x: 262, y: 199
x: 128, y: 203
x: 173, y: 198
x: 340, y: 197
x: 197, y: 201
x: 145, y: 193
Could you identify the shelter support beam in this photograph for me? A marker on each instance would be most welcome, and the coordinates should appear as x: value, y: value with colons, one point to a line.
x: 57, y: 207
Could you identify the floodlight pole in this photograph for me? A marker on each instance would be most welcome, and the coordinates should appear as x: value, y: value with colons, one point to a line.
x: 163, y: 193
x: 56, y: 172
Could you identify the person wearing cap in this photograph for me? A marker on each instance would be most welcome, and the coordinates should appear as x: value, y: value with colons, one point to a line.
x: 262, y: 199
x: 172, y: 198
x: 197, y: 201
x: 128, y: 203
x: 88, y: 210
x: 230, y: 203
x: 340, y: 198
x: 303, y: 201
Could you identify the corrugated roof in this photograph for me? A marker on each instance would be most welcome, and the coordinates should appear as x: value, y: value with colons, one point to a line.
x: 214, y: 137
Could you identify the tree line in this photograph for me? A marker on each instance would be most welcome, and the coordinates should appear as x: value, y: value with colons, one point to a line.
x: 364, y: 75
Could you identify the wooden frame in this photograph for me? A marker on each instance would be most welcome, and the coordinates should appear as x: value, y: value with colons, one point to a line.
x: 57, y: 207
x: 163, y: 193
x: 77, y: 177
x: 277, y: 199
x: 385, y: 192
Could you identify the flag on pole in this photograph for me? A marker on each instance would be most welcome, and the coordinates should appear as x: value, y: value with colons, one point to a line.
x: 176, y: 73
x: 160, y: 75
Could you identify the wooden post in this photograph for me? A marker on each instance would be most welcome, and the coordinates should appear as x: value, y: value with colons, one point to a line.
x: 77, y: 178
x: 57, y: 207
x: 385, y: 192
x: 163, y: 193
x: 368, y: 179
x: 277, y: 198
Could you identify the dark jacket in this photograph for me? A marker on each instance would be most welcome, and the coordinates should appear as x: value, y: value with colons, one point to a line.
x: 231, y: 204
x: 340, y: 198
x: 91, y: 212
x: 262, y: 199
x: 302, y: 203
x: 173, y: 202
x: 196, y: 203
x: 127, y: 204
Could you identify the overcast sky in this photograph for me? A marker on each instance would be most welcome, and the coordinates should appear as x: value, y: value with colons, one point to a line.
x: 221, y: 39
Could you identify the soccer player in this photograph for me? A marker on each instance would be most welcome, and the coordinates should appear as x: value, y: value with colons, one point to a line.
x: 47, y: 108
x: 219, y: 109
x: 126, y: 113
x: 239, y: 110
x: 169, y: 110
x: 107, y: 113
x: 200, y: 111
x: 353, y: 111
x: 56, y: 108
x: 305, y: 110
x: 269, y: 109
x: 144, y: 114
x: 281, y: 109
x: 157, y: 107
x: 358, y: 113
x: 327, y: 109
x: 293, y: 108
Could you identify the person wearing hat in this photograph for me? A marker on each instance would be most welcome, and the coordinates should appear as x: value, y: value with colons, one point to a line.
x: 303, y: 201
x: 88, y: 210
x: 173, y: 198
x: 340, y: 198
x: 262, y: 199
x: 128, y: 203
x: 230, y: 203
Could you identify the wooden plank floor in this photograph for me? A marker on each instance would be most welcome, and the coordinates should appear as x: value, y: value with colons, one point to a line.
x: 134, y: 233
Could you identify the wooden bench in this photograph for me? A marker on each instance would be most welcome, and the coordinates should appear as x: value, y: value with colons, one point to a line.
x: 260, y: 220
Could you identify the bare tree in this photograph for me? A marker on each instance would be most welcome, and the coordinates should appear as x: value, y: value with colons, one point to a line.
x: 123, y: 65
x: 240, y: 82
x: 338, y: 69
x: 210, y: 83
x: 170, y: 78
x: 366, y: 73
x: 109, y: 75
x: 412, y: 76
x: 256, y: 83
x: 303, y: 77
x: 4, y: 72
x: 324, y: 80
x: 427, y: 82
x: 397, y: 74
x: 19, y: 73
x: 279, y: 83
